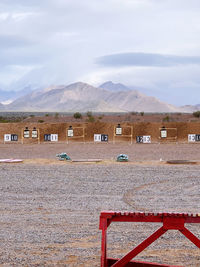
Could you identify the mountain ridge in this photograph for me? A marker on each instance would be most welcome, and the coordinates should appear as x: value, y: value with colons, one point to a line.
x: 82, y: 97
x: 107, y: 97
x: 109, y: 85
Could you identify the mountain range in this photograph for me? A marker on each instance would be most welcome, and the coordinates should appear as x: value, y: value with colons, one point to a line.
x: 82, y: 97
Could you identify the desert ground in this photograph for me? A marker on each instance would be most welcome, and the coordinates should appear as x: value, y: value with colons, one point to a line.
x: 50, y: 209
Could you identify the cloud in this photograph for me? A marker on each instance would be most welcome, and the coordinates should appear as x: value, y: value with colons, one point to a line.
x: 176, y: 85
x: 10, y: 4
x: 62, y: 41
x: 145, y: 59
x: 13, y: 73
x: 10, y: 41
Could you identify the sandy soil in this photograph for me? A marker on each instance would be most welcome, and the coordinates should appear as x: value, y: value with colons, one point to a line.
x: 50, y: 209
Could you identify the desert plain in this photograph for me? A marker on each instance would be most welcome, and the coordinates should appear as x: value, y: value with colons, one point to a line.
x: 50, y: 209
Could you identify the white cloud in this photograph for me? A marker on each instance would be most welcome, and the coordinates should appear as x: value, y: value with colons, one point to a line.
x: 22, y: 15
x: 14, y: 73
x: 4, y: 16
x: 64, y: 38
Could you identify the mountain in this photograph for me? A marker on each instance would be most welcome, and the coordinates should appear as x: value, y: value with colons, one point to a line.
x: 116, y: 87
x: 78, y: 96
x: 136, y: 101
x: 83, y: 97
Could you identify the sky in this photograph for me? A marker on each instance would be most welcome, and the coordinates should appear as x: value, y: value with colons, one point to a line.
x: 152, y: 45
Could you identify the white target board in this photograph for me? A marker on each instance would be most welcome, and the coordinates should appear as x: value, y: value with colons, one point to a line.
x: 54, y: 137
x: 97, y: 137
x: 163, y: 133
x: 70, y: 133
x: 192, y: 138
x: 118, y: 131
x: 146, y: 139
x: 34, y: 134
x: 7, y: 137
x: 10, y: 137
x: 26, y: 134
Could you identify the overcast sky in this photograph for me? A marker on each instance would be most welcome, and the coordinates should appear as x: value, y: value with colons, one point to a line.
x: 152, y: 45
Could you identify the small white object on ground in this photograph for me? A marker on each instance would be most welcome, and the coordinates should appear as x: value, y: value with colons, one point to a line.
x: 10, y: 160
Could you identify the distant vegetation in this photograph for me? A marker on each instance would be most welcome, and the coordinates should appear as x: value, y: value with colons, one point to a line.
x: 52, y: 117
x: 196, y: 114
x: 89, y: 113
x: 56, y: 115
x: 11, y: 119
x: 134, y: 113
x: 90, y: 117
x: 77, y: 115
x: 166, y: 119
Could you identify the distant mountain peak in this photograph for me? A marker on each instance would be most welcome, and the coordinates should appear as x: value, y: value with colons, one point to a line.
x: 83, y: 97
x: 116, y: 87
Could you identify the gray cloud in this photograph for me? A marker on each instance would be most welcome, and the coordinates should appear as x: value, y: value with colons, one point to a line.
x: 145, y: 60
x: 12, y: 57
x: 13, y: 41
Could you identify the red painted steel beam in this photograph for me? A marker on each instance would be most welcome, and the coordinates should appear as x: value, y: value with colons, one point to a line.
x: 190, y: 236
x: 171, y: 221
x: 128, y: 257
x: 104, y: 243
x: 148, y: 217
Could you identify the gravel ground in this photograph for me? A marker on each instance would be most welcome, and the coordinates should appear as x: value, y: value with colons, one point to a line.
x: 50, y: 212
x: 135, y: 152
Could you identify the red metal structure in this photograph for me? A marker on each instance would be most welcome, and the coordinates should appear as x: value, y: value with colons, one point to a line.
x: 170, y: 221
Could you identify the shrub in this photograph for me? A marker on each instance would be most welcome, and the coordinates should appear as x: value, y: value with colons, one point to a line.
x: 196, y: 114
x: 40, y: 121
x: 89, y: 114
x: 133, y: 113
x: 77, y: 115
x: 142, y: 113
x: 167, y: 118
x: 3, y: 119
x: 91, y: 119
